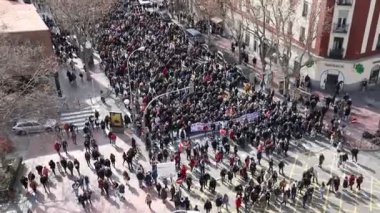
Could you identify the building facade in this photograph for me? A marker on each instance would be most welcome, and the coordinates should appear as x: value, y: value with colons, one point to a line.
x: 22, y: 21
x: 347, y: 50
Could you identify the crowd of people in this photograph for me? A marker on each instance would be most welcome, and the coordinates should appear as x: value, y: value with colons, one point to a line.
x: 170, y: 62
x: 167, y: 62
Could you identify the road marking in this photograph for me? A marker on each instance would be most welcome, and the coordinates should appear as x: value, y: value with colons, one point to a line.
x: 328, y: 187
x: 370, y: 195
x: 293, y: 167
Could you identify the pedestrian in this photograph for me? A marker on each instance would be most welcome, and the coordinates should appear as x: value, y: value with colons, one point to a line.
x: 44, y: 180
x: 70, y: 166
x: 45, y: 172
x: 33, y: 185
x: 164, y: 194
x: 87, y: 196
x: 208, y: 206
x: 238, y: 203
x: 305, y: 197
x: 24, y: 182
x: 59, y: 167
x: 39, y: 169
x: 219, y: 202
x: 189, y: 182
x: 74, y: 137
x: 121, y: 191
x: 87, y: 156
x: 351, y: 180
x: 81, y: 200
x: 87, y: 182
x: 226, y: 201
x: 359, y: 181
x: 64, y: 164
x: 113, y: 159
x: 281, y: 166
x: 354, y: 153
x: 64, y: 146
x: 52, y: 166
x: 322, y: 189
x: 345, y: 182
x: 148, y: 201
x: 106, y: 188
x: 75, y: 187
x: 321, y: 159
x: 76, y: 165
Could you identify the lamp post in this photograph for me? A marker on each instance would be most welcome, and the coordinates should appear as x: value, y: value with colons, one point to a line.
x: 142, y: 48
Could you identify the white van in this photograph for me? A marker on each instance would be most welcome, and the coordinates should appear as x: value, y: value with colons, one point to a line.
x: 148, y: 5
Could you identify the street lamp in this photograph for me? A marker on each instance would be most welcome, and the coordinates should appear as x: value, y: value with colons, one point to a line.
x: 142, y: 48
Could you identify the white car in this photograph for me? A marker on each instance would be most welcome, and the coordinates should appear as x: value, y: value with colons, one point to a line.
x: 24, y: 127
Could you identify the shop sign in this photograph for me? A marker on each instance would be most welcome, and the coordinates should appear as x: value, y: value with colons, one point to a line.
x: 359, y: 68
x: 334, y: 65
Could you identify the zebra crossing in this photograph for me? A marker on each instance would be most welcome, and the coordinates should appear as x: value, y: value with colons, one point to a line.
x: 78, y: 118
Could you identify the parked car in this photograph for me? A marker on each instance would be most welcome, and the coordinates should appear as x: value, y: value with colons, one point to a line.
x: 195, y: 36
x: 23, y: 127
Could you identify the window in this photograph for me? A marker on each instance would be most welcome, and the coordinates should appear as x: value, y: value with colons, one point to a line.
x: 267, y: 17
x: 378, y: 42
x: 302, y: 34
x: 338, y: 43
x: 247, y: 38
x: 290, y: 27
x: 305, y: 9
x: 255, y: 46
x: 374, y: 77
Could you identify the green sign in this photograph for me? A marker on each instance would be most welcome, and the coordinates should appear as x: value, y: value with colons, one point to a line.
x: 310, y: 63
x: 359, y: 68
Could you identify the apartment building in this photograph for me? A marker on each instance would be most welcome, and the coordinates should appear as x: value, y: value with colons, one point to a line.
x: 348, y: 50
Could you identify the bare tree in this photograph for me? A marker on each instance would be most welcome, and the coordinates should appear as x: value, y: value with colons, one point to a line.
x: 273, y: 22
x: 260, y: 18
x: 25, y: 82
x: 284, y: 35
x: 81, y: 18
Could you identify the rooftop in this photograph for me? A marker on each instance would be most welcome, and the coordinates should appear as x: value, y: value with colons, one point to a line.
x: 16, y: 16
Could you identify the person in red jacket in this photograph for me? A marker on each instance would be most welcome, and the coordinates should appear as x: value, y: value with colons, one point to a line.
x: 57, y: 147
x: 351, y: 180
x: 238, y: 203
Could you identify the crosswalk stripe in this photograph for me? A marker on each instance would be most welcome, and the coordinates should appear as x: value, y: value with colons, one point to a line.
x: 77, y: 112
x: 77, y: 118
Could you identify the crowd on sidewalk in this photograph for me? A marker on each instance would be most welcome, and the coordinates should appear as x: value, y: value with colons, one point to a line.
x: 169, y: 62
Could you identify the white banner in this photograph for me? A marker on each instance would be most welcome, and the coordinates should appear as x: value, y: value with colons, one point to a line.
x: 166, y: 170
x: 200, y: 127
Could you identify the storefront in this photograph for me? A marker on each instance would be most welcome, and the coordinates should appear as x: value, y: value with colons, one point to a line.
x: 326, y: 73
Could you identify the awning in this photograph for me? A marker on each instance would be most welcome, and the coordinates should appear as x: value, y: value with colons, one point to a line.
x: 216, y: 20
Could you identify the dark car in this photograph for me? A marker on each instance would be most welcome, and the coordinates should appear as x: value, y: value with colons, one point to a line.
x: 195, y: 36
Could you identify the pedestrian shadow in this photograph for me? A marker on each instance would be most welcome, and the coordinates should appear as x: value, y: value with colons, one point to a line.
x: 113, y: 202
x: 118, y: 149
x: 128, y: 205
x: 169, y: 206
x: 133, y: 190
x: 59, y: 177
x: 51, y: 196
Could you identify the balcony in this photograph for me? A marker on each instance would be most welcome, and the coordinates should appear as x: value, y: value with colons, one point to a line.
x: 344, y: 2
x: 340, y: 28
x: 336, y: 53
